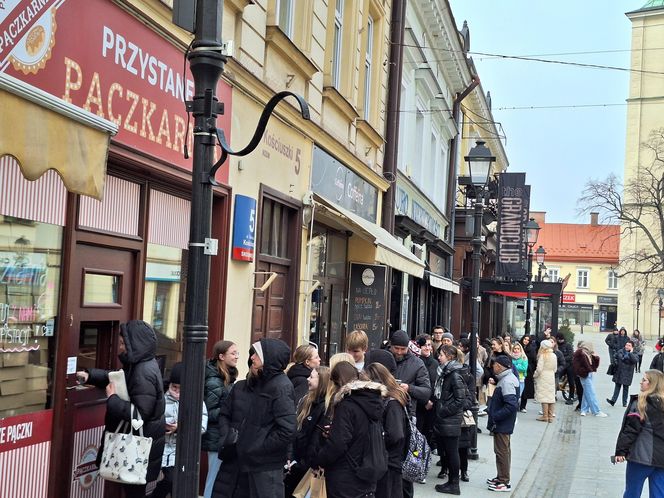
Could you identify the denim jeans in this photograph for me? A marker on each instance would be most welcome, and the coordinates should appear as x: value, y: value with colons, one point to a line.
x: 635, y: 476
x: 589, y: 401
x: 213, y: 468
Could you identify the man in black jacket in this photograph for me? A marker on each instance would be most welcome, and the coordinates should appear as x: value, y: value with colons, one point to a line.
x: 261, y: 411
x: 566, y: 349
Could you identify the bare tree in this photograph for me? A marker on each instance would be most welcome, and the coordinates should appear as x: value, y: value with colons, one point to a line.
x: 638, y: 207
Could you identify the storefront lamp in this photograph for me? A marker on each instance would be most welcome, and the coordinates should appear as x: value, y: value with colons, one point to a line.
x: 539, y: 255
x: 532, y: 231
x: 479, y: 161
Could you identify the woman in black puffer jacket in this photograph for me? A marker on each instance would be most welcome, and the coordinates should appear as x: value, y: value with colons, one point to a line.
x: 305, y: 360
x: 220, y: 375
x: 450, y: 394
x: 138, y: 345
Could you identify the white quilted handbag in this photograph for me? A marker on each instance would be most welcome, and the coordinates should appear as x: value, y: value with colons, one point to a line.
x: 126, y: 456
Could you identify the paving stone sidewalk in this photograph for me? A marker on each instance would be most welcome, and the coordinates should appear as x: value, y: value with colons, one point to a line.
x: 569, y: 457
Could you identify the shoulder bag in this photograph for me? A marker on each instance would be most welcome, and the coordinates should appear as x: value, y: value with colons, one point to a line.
x: 126, y: 456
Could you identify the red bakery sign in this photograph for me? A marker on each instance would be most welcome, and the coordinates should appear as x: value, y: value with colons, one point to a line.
x: 95, y: 55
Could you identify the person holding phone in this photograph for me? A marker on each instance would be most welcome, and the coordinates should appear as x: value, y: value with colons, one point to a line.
x: 641, y: 438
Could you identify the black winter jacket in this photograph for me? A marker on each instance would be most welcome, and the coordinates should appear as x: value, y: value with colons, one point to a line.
x: 146, y: 390
x: 395, y: 427
x: 624, y: 367
x: 643, y: 441
x: 450, y: 393
x: 298, y: 375
x: 658, y: 362
x: 561, y: 363
x: 263, y: 413
x: 309, y: 437
x: 215, y: 393
x: 355, y: 404
x: 411, y: 370
x: 469, y: 403
x: 568, y: 351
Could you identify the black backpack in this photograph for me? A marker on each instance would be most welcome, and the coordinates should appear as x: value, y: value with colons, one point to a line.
x: 373, y: 462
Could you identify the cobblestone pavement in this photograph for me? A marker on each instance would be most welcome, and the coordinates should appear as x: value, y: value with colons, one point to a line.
x: 569, y: 457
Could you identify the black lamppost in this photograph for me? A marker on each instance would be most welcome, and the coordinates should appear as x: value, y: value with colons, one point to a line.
x: 479, y: 161
x: 638, y: 305
x: 660, y: 294
x: 206, y: 62
x: 540, y: 254
x: 532, y: 231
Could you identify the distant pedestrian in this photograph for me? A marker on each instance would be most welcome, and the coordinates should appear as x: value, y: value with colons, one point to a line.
x: 545, y: 380
x: 639, y: 347
x: 502, y: 417
x: 611, y: 341
x: 467, y: 439
x: 657, y: 362
x: 437, y: 338
x: 586, y: 363
x: 520, y: 361
x: 568, y: 352
x: 624, y: 362
x: 357, y: 344
x: 530, y: 348
x: 425, y: 412
x: 641, y: 438
x: 305, y: 360
x: 220, y: 375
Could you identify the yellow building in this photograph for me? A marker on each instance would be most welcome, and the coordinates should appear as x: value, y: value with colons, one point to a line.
x: 584, y: 257
x: 643, y: 116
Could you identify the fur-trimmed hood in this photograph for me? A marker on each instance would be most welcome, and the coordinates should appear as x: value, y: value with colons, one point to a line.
x: 366, y: 395
x: 359, y: 385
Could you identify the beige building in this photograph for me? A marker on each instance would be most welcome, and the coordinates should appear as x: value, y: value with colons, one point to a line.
x: 643, y: 116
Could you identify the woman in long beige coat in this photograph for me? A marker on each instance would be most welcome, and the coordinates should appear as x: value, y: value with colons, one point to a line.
x: 545, y: 380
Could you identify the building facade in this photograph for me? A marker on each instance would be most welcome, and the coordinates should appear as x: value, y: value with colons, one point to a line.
x: 643, y: 118
x: 584, y: 257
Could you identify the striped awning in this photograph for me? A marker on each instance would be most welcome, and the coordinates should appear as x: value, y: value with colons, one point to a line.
x: 43, y: 132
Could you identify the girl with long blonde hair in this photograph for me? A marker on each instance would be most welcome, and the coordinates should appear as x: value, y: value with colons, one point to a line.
x: 641, y: 438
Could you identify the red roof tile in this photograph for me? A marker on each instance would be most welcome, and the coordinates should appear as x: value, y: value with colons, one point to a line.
x: 582, y: 243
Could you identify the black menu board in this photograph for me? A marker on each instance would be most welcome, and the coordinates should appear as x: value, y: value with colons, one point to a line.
x: 366, y: 301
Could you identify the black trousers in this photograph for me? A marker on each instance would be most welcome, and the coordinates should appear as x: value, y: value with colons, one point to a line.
x: 390, y: 486
x: 570, y: 380
x: 450, y: 444
x: 616, y: 392
x: 165, y: 486
x: 463, y: 459
x: 579, y: 390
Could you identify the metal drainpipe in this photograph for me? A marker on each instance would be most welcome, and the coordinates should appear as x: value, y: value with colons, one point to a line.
x: 452, y: 177
x: 397, y: 28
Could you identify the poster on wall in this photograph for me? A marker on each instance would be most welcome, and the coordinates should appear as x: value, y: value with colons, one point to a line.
x: 366, y: 301
x: 513, y: 210
x: 244, y: 228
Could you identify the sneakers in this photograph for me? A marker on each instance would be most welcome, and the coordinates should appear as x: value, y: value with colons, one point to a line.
x: 601, y: 414
x: 500, y: 487
x: 493, y: 480
x: 583, y: 414
x: 523, y: 410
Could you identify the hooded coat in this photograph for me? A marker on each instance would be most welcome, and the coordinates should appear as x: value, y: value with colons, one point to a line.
x: 355, y: 405
x: 262, y: 411
x: 545, y: 377
x: 450, y: 394
x: 216, y: 391
x: 299, y: 375
x: 624, y: 362
x: 643, y: 441
x: 146, y: 390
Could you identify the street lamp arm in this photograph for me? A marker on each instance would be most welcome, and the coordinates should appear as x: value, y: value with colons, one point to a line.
x: 260, y: 129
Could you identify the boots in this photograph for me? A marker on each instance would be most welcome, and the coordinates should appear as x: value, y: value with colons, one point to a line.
x: 545, y: 413
x: 551, y: 408
x: 451, y: 487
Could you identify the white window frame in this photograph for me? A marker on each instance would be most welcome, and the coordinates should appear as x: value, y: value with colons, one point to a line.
x: 368, y: 57
x: 612, y: 278
x: 587, y: 278
x: 553, y: 273
x: 338, y: 40
x: 284, y: 12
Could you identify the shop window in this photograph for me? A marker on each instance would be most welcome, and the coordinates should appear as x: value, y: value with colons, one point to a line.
x: 612, y: 280
x: 582, y: 278
x: 166, y: 272
x: 30, y: 262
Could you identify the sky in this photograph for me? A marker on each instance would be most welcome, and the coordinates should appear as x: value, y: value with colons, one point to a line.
x: 560, y: 149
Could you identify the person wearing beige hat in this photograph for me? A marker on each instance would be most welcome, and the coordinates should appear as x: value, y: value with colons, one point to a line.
x: 545, y: 380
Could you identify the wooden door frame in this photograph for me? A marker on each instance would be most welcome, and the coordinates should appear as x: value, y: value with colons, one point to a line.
x: 295, y: 242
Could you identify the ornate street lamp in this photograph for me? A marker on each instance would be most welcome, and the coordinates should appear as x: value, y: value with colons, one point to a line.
x: 479, y: 161
x: 638, y: 305
x: 532, y: 232
x: 540, y: 254
x: 660, y: 294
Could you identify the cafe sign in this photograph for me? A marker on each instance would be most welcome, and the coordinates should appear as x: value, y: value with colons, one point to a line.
x: 93, y: 54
